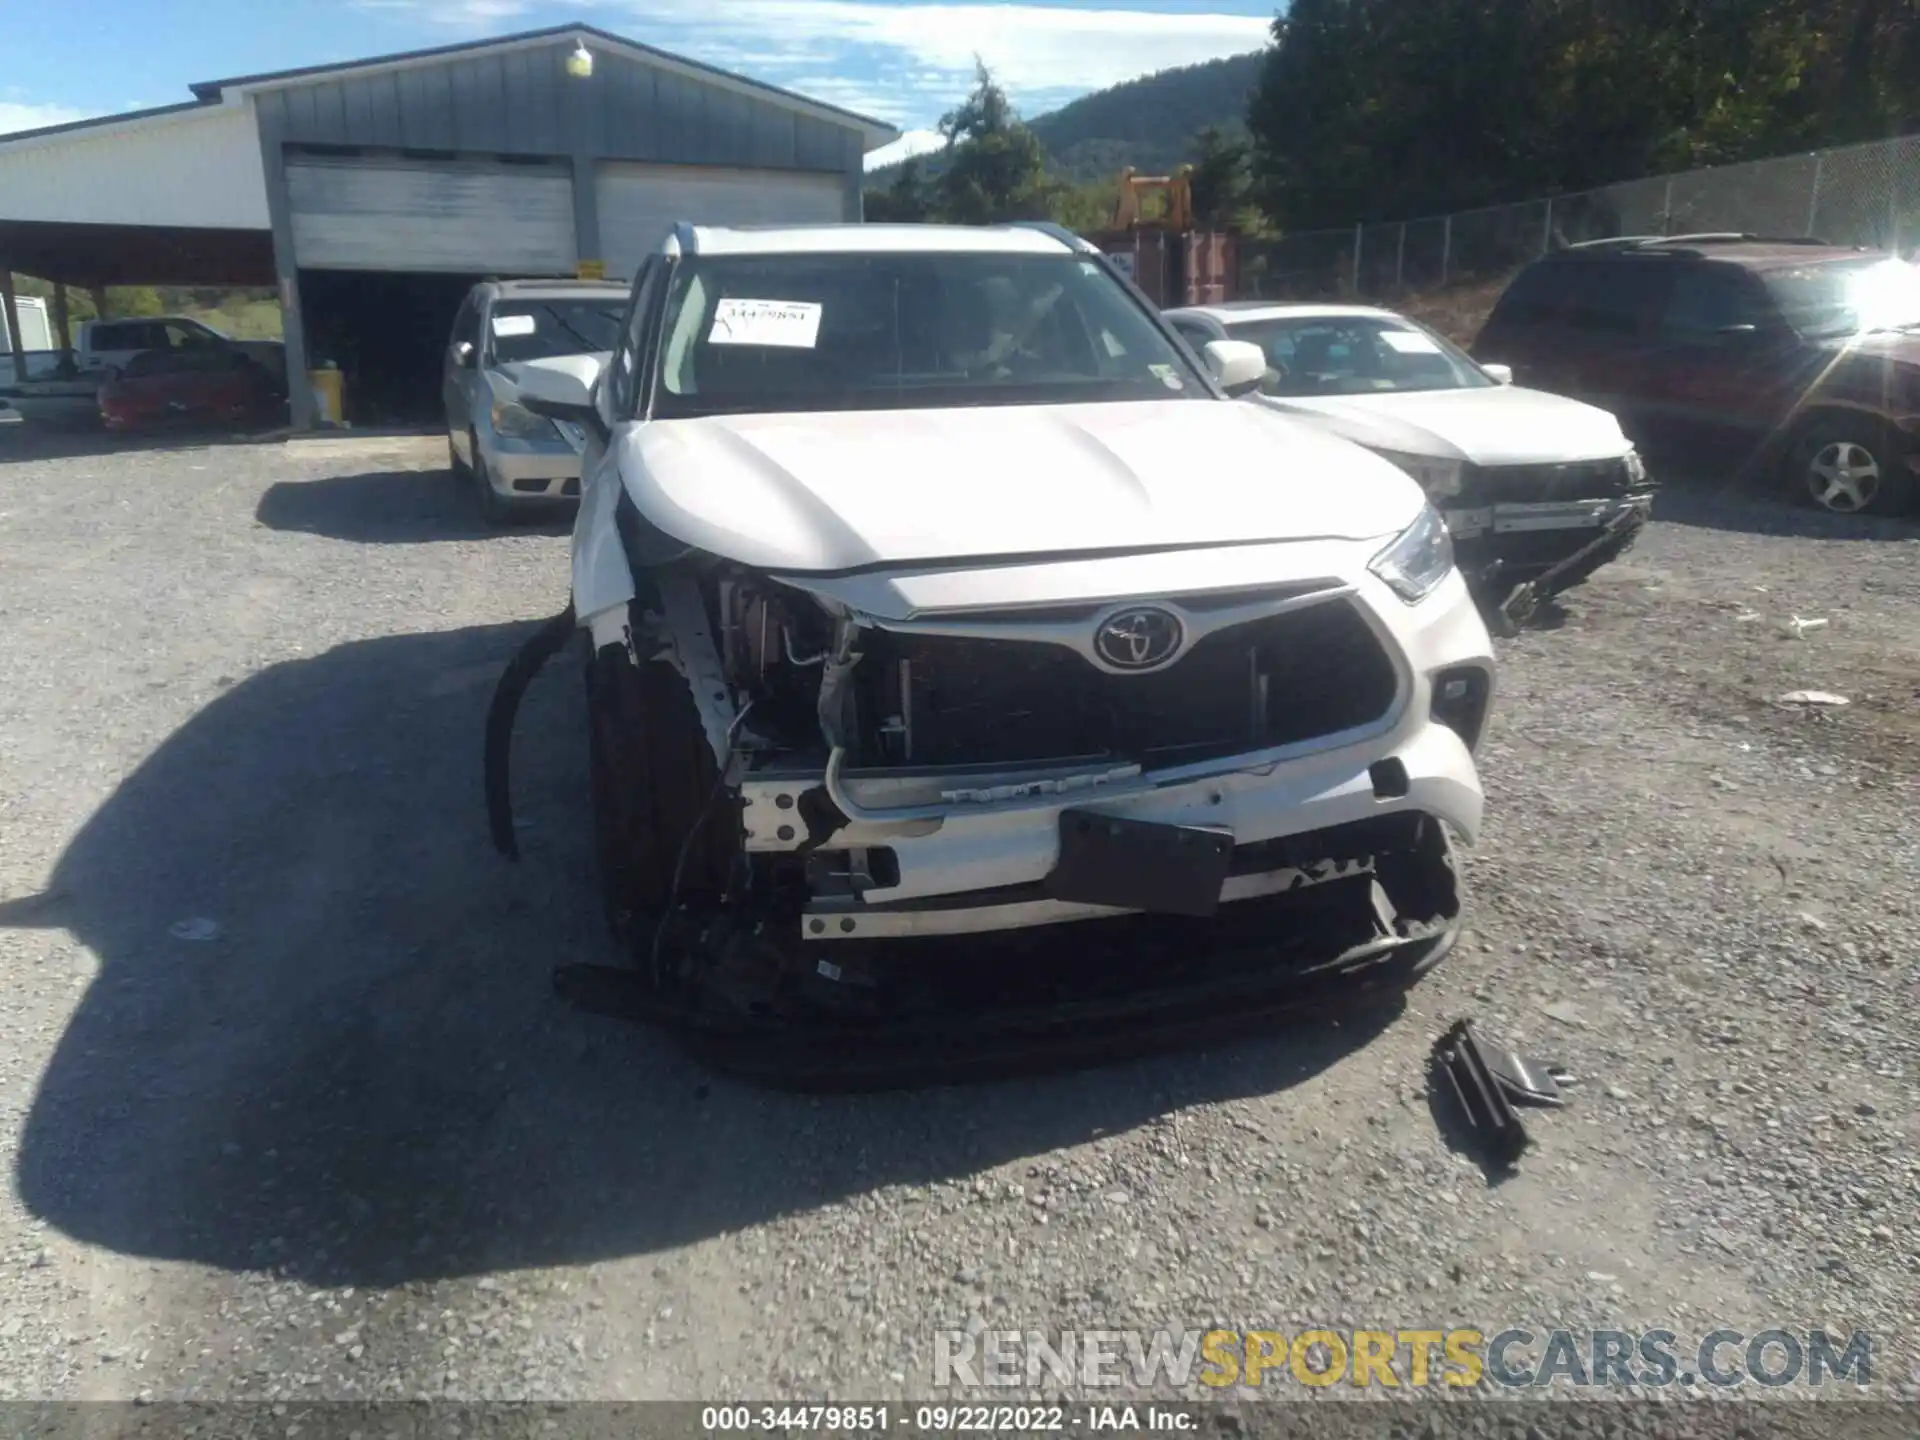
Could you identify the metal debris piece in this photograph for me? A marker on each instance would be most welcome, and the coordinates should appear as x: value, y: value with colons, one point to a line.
x: 1527, y: 1082
x: 1487, y: 1082
x: 1482, y: 1100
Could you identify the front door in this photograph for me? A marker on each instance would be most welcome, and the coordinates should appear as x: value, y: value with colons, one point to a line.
x: 457, y: 380
x: 1728, y: 366
x: 602, y: 570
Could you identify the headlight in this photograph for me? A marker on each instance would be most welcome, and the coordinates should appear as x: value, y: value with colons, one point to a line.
x: 1439, y: 478
x: 1418, y: 560
x: 514, y: 421
x: 1636, y: 468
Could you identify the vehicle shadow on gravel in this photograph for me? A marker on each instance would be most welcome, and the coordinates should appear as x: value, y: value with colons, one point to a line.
x: 35, y: 444
x: 322, y: 1042
x: 1710, y: 504
x: 395, y: 507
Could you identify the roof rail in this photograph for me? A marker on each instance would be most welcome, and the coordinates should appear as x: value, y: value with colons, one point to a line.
x: 1675, y: 244
x: 1610, y: 242
x: 1059, y: 232
x: 1709, y: 237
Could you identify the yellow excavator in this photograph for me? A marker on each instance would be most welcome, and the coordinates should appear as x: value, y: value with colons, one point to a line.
x: 1178, y: 188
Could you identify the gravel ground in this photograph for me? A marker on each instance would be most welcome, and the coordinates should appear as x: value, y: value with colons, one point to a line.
x: 288, y: 1111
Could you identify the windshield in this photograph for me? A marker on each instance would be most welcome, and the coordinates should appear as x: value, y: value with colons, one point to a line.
x: 1356, y: 355
x: 1847, y: 297
x: 546, y: 329
x: 884, y: 331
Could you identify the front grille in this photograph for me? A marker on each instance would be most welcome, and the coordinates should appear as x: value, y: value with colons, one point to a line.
x: 1535, y: 484
x: 1010, y: 702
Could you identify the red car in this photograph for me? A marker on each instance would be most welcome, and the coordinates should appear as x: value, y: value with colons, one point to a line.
x: 204, y: 383
x: 1795, y: 360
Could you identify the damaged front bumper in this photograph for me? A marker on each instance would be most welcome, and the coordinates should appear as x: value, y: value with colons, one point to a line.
x: 1519, y: 541
x: 828, y: 830
x: 1525, y: 554
x: 880, y: 1012
x: 987, y: 866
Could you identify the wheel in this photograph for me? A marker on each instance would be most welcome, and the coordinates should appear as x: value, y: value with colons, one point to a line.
x: 493, y: 509
x: 656, y: 794
x: 1849, y: 467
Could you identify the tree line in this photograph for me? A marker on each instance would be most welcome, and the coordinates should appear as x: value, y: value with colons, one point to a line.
x: 1371, y: 110
x: 1391, y: 109
x: 993, y: 168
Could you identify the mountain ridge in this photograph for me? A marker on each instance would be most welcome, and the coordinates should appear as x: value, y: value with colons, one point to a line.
x: 1148, y: 123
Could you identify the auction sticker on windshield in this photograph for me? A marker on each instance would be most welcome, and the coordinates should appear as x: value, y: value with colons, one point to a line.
x: 1409, y: 342
x: 510, y: 325
x: 788, y: 324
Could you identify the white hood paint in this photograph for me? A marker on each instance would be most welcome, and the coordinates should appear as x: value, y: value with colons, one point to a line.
x: 837, y: 491
x: 1498, y: 425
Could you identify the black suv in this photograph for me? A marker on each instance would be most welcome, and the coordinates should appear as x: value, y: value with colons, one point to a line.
x: 1792, y: 360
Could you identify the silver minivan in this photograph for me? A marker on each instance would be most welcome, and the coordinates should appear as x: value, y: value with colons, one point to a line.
x: 511, y: 458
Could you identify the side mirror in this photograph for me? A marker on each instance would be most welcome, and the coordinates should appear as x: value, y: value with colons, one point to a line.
x: 1499, y: 374
x: 1239, y: 366
x: 463, y: 354
x: 561, y: 388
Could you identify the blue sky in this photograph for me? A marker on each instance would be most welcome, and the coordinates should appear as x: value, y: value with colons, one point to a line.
x: 905, y: 62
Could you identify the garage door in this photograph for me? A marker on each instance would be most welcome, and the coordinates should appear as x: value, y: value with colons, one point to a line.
x: 639, y: 203
x: 361, y: 215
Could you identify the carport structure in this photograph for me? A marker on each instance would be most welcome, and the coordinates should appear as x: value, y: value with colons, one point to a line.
x: 371, y: 194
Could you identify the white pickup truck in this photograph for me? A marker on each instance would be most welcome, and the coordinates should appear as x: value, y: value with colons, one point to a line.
x: 101, y: 347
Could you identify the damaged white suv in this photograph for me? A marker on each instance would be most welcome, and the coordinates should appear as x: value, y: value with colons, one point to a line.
x: 930, y: 677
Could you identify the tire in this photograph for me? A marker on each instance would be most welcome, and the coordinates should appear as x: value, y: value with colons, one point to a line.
x: 493, y: 510
x: 655, y: 784
x: 1848, y: 467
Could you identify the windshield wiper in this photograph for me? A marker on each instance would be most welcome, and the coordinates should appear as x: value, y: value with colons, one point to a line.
x: 587, y: 346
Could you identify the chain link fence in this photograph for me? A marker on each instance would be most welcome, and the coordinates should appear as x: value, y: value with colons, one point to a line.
x: 1866, y: 195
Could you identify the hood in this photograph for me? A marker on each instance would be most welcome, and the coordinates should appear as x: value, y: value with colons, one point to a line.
x: 1900, y: 346
x: 1498, y: 425
x: 840, y: 491
x: 506, y: 380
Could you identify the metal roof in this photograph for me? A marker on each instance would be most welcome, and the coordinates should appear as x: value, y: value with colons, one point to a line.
x: 93, y: 122
x: 210, y: 90
x: 210, y: 93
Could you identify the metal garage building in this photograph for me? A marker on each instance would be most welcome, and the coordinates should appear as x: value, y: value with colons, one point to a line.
x: 373, y: 193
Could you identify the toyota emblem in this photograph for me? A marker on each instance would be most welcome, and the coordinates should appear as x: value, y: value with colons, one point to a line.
x: 1142, y: 639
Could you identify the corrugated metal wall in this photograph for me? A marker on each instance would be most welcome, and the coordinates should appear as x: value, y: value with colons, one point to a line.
x: 639, y: 203
x: 522, y: 102
x: 201, y: 168
x: 452, y: 219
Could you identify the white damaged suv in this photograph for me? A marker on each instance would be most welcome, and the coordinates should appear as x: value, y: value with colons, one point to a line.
x: 912, y: 626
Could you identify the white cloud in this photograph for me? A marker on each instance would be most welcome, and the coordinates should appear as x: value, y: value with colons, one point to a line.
x: 1040, y: 53
x: 913, y: 142
x: 17, y: 115
x: 906, y: 64
x: 459, y: 14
